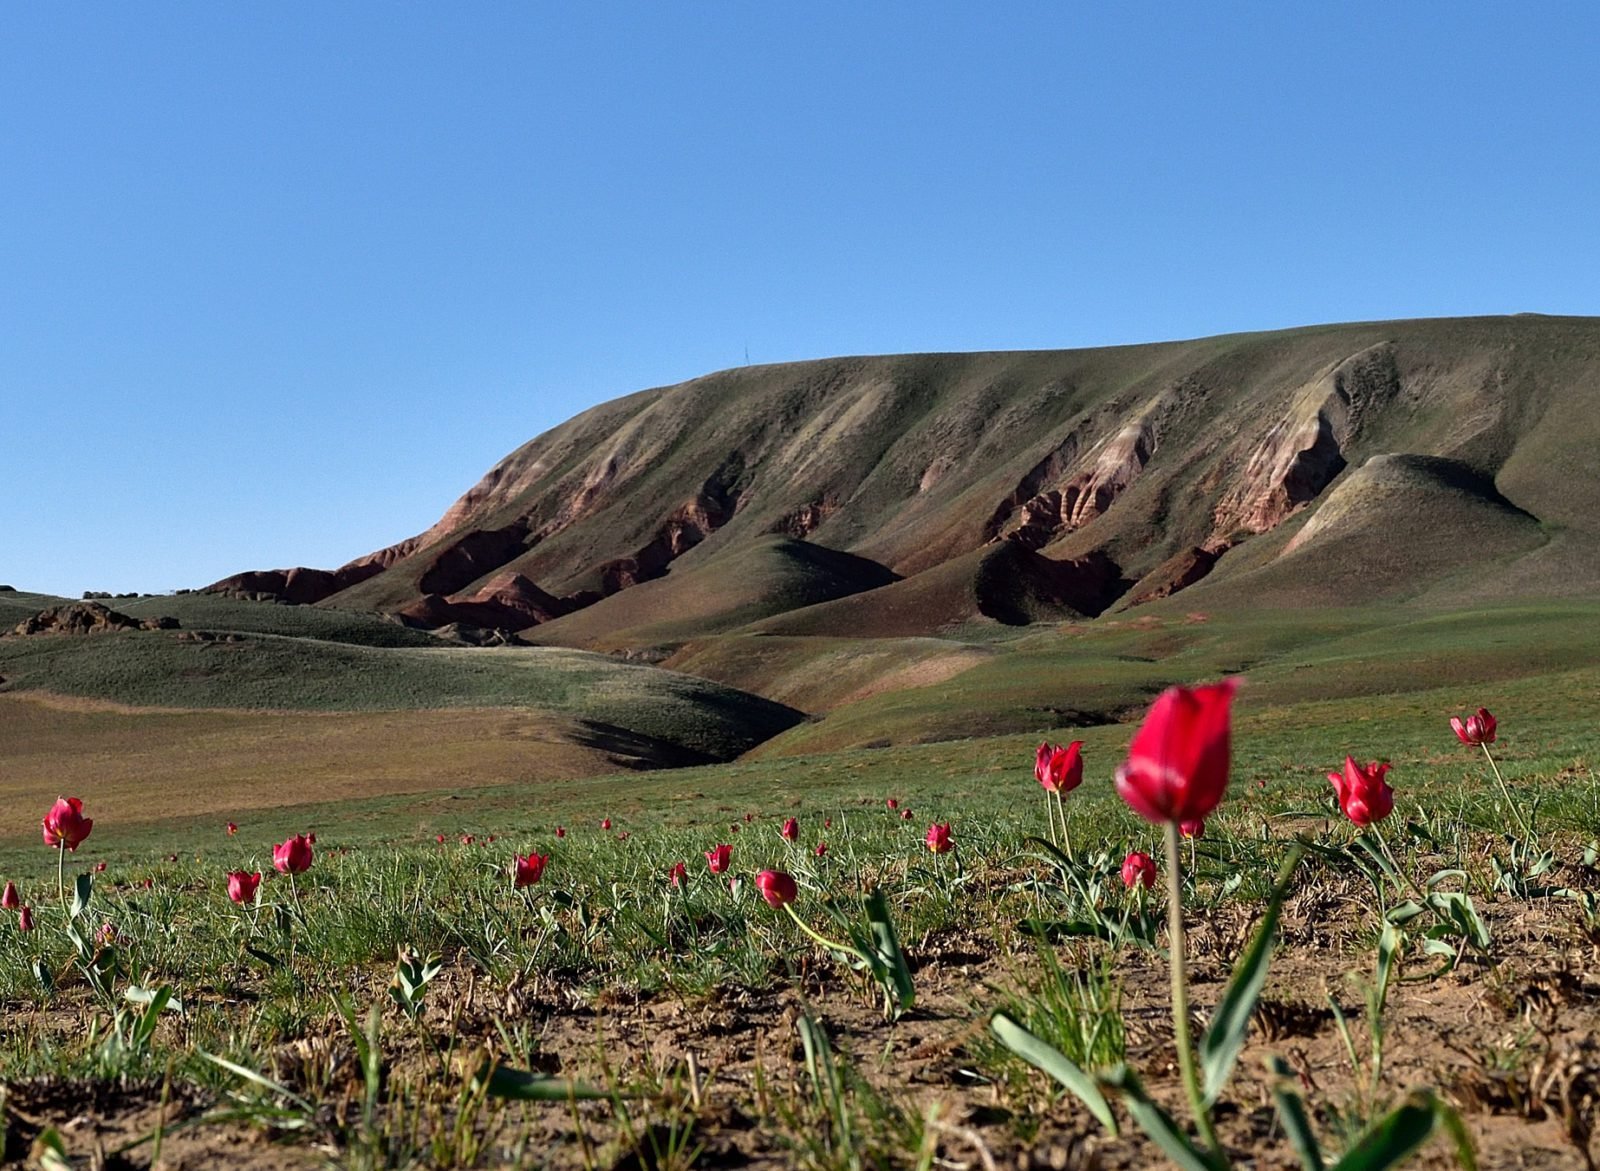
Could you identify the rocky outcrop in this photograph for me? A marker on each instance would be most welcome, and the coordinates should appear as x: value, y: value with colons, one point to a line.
x: 87, y: 618
x: 1021, y: 586
x: 508, y: 602
x: 1177, y: 572
x: 1110, y: 467
x: 1303, y: 451
x: 299, y: 586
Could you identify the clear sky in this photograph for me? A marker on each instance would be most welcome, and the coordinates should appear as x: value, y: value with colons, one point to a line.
x: 278, y: 281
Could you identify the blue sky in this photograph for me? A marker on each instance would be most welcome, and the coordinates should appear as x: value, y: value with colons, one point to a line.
x: 279, y: 281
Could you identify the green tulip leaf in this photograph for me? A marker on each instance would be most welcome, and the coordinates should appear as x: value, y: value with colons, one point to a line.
x: 1396, y: 1136
x: 1292, y: 1115
x: 522, y: 1086
x: 899, y: 990
x: 1156, y: 1123
x: 1224, y: 1037
x: 1048, y: 1059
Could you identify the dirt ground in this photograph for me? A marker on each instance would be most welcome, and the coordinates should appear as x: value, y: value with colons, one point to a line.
x: 1511, y: 1044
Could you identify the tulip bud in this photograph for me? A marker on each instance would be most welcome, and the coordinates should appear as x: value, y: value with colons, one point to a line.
x: 1193, y: 829
x: 242, y: 885
x: 1138, y: 869
x: 1364, y: 796
x: 232, y: 829
x: 679, y: 874
x: 822, y: 849
x: 527, y: 869
x: 25, y: 919
x: 777, y: 888
x: 1177, y: 766
x: 790, y: 830
x: 605, y: 823
x: 10, y: 900
x: 1058, y: 769
x: 292, y: 856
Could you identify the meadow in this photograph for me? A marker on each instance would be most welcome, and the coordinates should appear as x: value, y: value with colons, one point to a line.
x: 401, y: 1002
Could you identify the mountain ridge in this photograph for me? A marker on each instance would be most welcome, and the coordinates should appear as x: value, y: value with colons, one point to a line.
x: 1159, y: 462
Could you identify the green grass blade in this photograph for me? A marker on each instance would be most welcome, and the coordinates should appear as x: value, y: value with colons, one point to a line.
x: 1224, y: 1037
x: 1046, y: 1057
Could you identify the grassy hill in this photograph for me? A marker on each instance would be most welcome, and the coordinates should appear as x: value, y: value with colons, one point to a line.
x: 281, y: 658
x: 713, y: 594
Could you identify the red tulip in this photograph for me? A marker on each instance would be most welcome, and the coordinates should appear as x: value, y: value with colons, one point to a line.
x: 605, y: 823
x: 1193, y: 829
x: 1058, y: 769
x: 99, y: 867
x: 827, y: 823
x: 1364, y: 796
x: 719, y: 858
x: 65, y: 826
x: 312, y: 838
x: 25, y: 919
x: 439, y: 838
x: 232, y: 829
x: 1177, y: 766
x: 149, y: 884
x: 1475, y: 729
x: 790, y: 830
x: 10, y: 900
x: 749, y: 817
x: 488, y: 840
x: 467, y: 839
x: 293, y: 856
x: 777, y: 888
x: 938, y: 838
x: 679, y: 874
x: 107, y: 935
x: 242, y: 885
x: 905, y: 815
x: 624, y: 835
x: 893, y: 803
x: 822, y: 848
x: 561, y: 831
x: 1138, y: 869
x: 528, y: 870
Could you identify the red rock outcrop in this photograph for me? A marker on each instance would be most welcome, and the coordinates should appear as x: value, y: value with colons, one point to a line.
x: 300, y: 586
x: 1176, y: 573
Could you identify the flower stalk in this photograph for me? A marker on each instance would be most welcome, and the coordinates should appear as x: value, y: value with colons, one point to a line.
x: 1180, y: 991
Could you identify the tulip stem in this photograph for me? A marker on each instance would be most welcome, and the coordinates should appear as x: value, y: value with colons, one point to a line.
x: 1050, y: 817
x: 1066, y: 837
x: 61, y: 874
x: 1516, y: 812
x: 822, y: 939
x: 1180, y: 991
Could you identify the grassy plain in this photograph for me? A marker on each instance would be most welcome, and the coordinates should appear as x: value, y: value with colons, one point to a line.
x: 689, y: 1001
